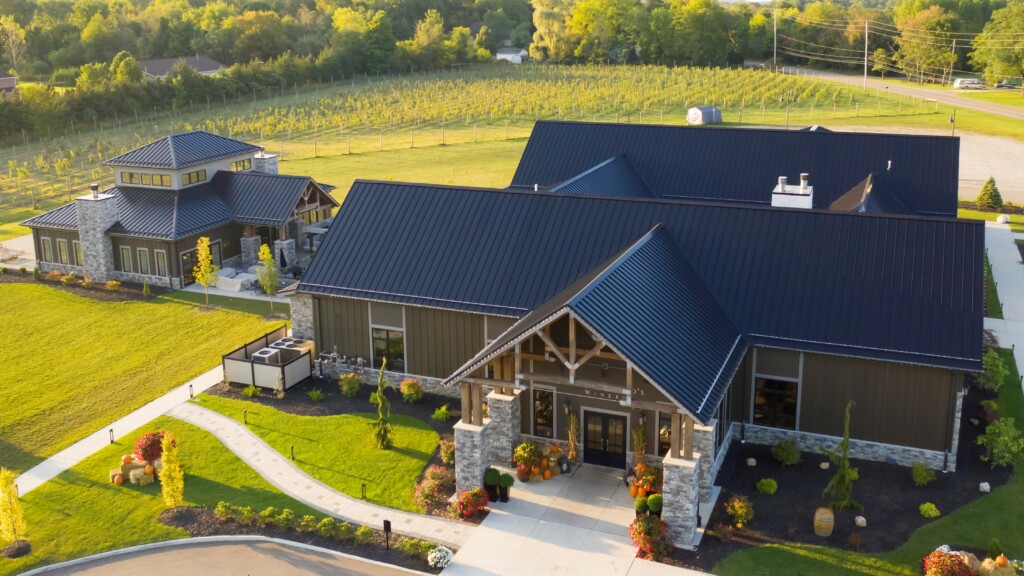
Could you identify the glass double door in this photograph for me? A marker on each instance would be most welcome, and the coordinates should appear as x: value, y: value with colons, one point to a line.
x: 604, y: 439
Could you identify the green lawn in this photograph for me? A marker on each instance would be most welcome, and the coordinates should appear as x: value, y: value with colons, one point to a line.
x: 339, y: 450
x: 72, y: 365
x: 1016, y: 220
x: 79, y: 512
x: 996, y: 515
x: 993, y: 307
x: 246, y: 305
x: 1005, y: 97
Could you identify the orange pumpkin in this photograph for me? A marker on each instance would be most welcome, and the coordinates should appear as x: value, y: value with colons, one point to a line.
x: 547, y: 473
x: 1002, y: 561
x: 535, y: 470
x: 641, y: 468
x: 118, y: 480
x: 149, y: 469
x: 641, y: 493
x: 632, y: 490
x: 126, y: 459
x: 543, y: 462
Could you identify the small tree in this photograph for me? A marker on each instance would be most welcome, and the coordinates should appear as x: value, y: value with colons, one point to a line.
x: 989, y: 196
x: 270, y: 274
x: 172, y: 476
x: 881, y: 62
x: 382, y: 429
x: 12, y: 519
x: 1002, y: 442
x: 995, y: 371
x: 840, y: 487
x: 205, y: 272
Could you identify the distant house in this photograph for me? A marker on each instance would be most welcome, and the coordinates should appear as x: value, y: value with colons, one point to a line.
x: 704, y: 115
x: 169, y: 193
x: 513, y: 55
x: 8, y: 83
x: 158, y: 69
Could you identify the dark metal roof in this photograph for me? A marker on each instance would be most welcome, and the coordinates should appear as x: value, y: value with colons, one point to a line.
x: 65, y: 217
x: 613, y: 177
x: 743, y: 164
x: 901, y: 288
x: 257, y: 198
x: 870, y: 195
x: 144, y: 212
x: 182, y: 150
x: 649, y: 289
x: 163, y: 66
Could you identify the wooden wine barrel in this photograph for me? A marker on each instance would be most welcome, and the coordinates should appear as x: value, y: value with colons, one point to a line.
x: 824, y: 521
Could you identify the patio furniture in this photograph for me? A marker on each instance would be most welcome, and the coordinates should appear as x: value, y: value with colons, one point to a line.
x: 226, y: 273
x: 236, y: 283
x: 295, y: 271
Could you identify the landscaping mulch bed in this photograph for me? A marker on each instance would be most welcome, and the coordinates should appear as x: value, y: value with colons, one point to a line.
x: 127, y: 292
x: 1006, y: 209
x: 199, y: 521
x: 886, y: 491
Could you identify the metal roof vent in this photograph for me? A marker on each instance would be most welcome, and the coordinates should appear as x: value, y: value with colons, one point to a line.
x: 95, y: 189
x: 787, y: 196
x: 536, y: 187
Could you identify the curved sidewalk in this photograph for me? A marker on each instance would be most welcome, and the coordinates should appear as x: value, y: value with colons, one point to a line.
x: 288, y: 478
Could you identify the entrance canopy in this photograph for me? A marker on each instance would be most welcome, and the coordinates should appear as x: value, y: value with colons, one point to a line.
x: 647, y: 305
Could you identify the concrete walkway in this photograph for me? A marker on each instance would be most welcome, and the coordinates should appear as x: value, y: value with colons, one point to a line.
x: 1008, y: 274
x: 89, y: 445
x: 288, y: 478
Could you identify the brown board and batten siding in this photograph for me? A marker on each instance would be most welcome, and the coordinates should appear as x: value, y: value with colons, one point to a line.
x: 55, y: 234
x: 342, y: 324
x: 900, y: 404
x: 438, y: 342
x: 230, y: 244
x: 134, y: 244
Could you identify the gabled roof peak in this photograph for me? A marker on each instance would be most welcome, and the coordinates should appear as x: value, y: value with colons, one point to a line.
x: 183, y: 150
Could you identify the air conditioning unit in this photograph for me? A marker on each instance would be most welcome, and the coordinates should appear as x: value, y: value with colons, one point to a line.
x: 267, y: 355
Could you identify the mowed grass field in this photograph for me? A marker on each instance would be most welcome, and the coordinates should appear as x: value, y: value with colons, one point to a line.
x: 1006, y: 97
x: 73, y: 364
x: 80, y: 512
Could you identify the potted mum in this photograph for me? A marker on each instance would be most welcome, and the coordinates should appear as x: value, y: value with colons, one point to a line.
x: 526, y: 457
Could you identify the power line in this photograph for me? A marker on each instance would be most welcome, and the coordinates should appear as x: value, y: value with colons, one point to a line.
x: 858, y: 52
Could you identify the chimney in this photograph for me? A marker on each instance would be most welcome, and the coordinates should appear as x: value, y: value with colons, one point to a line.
x: 95, y: 189
x: 265, y: 163
x: 787, y: 196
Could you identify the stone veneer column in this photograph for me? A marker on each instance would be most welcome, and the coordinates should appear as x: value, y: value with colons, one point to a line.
x: 250, y: 250
x: 704, y: 444
x: 505, y: 413
x: 301, y: 306
x: 471, y: 455
x: 96, y: 213
x: 266, y: 163
x: 286, y: 247
x: 680, y: 489
x: 955, y: 444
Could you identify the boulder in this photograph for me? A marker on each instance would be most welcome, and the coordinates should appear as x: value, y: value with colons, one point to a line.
x: 861, y: 522
x: 751, y: 462
x: 984, y: 487
x: 975, y: 421
x: 824, y: 465
x: 1003, y: 219
x: 971, y: 561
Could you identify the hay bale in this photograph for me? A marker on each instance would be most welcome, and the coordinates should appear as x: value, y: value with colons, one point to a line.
x: 135, y: 476
x: 126, y: 469
x: 115, y: 472
x: 146, y: 479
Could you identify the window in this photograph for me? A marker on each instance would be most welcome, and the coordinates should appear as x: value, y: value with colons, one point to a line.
x: 147, y: 179
x: 389, y: 344
x: 47, y: 249
x: 126, y: 259
x: 161, y: 263
x: 78, y: 252
x: 543, y: 412
x: 162, y: 180
x: 215, y: 253
x: 664, y: 433
x: 143, y: 261
x: 776, y: 398
x: 62, y: 251
x: 193, y: 177
x: 239, y: 165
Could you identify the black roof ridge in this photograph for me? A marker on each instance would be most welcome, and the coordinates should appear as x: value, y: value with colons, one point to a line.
x: 758, y: 128
x: 258, y: 173
x: 670, y: 200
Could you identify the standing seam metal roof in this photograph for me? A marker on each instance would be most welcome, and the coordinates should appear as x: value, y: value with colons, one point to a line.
x: 613, y: 177
x: 182, y: 150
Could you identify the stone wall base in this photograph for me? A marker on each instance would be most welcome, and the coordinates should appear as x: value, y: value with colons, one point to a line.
x: 301, y: 306
x: 506, y: 420
x: 370, y: 375
x: 680, y: 487
x: 45, y: 267
x: 141, y: 278
x: 471, y: 455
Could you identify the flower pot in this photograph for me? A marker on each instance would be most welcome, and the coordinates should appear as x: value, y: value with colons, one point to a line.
x: 492, y: 492
x: 523, y: 474
x: 824, y: 522
x: 503, y: 493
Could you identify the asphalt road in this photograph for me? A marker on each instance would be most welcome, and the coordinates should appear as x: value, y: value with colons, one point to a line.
x: 948, y: 97
x: 241, y: 558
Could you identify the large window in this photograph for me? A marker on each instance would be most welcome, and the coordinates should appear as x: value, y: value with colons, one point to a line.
x: 161, y: 263
x: 78, y: 252
x: 776, y: 400
x: 47, y: 249
x: 193, y: 177
x: 664, y: 433
x: 126, y: 259
x: 239, y: 165
x: 145, y: 179
x: 543, y: 412
x: 215, y: 253
x: 143, y: 261
x: 389, y: 344
x: 62, y: 251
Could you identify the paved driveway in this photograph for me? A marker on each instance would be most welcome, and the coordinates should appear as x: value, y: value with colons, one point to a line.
x: 243, y: 558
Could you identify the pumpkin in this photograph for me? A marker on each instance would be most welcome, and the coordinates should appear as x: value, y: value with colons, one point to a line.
x: 641, y: 493
x: 547, y: 473
x: 543, y: 462
x: 1002, y: 561
x: 149, y: 469
x: 119, y: 480
x: 126, y: 459
x: 535, y: 470
x: 641, y: 468
x: 632, y: 490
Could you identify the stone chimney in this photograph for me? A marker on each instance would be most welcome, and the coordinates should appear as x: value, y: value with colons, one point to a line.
x: 96, y: 213
x: 787, y: 196
x: 265, y: 163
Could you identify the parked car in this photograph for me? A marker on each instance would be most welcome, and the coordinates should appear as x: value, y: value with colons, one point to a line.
x: 1008, y: 83
x: 968, y: 84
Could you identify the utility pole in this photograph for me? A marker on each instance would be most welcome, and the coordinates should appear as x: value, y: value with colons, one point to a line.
x: 952, y: 61
x: 775, y: 34
x: 865, y: 55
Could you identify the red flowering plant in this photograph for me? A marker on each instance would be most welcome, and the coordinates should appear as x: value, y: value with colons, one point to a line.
x: 436, y: 484
x: 148, y: 447
x: 944, y: 563
x: 649, y: 480
x: 470, y: 502
x: 651, y: 535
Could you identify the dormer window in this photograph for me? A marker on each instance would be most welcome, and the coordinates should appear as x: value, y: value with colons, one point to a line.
x: 144, y: 179
x: 241, y: 165
x: 193, y: 177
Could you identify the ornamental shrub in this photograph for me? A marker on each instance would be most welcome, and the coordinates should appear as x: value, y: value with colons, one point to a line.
x: 245, y: 515
x: 148, y: 448
x: 640, y: 504
x: 267, y: 516
x: 344, y: 532
x: 942, y: 563
x: 651, y: 535
x: 112, y: 285
x: 87, y: 282
x: 416, y: 547
x: 995, y: 549
x: 364, y: 534
x: 145, y: 289
x: 316, y: 395
x: 224, y: 511
x: 433, y: 488
x: 442, y: 414
x: 1002, y: 442
x: 994, y: 371
x: 326, y: 527
x: 54, y: 275
x: 36, y: 274
x: 350, y: 384
x: 740, y: 510
x: 922, y: 474
x: 470, y: 502
x: 439, y: 557
x: 929, y: 511
x: 68, y: 279
x: 767, y: 486
x: 655, y: 502
x: 307, y: 524
x: 373, y: 399
x: 285, y: 520
x: 251, y: 391
x: 786, y: 452
x: 989, y: 196
x: 446, y: 449
x: 411, y: 389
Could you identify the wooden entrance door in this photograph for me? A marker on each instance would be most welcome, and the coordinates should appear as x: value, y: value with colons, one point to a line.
x: 604, y: 439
